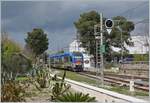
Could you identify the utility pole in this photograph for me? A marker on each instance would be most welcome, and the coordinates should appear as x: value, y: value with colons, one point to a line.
x: 102, y: 59
x: 122, y: 44
x: 77, y: 38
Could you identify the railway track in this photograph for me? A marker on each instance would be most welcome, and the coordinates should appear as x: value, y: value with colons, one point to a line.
x: 120, y: 75
x: 119, y: 81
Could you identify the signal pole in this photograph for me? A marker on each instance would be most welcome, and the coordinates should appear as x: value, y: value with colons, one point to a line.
x: 102, y: 59
x: 100, y: 46
x: 98, y: 32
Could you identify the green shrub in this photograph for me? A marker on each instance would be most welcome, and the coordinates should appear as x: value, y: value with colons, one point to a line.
x: 13, y: 61
x: 42, y: 78
x: 76, y: 97
x: 60, y: 87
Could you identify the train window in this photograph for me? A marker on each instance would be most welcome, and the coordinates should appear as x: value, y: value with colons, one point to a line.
x: 70, y: 58
x: 56, y: 60
x: 60, y: 60
x: 52, y: 60
x: 66, y: 59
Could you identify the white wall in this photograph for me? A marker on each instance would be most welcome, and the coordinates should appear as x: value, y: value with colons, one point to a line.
x: 138, y: 48
x: 74, y: 46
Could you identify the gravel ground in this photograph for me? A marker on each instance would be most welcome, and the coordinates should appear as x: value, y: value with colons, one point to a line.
x: 34, y: 95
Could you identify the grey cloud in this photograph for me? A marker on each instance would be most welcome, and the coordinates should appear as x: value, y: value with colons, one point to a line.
x: 57, y: 17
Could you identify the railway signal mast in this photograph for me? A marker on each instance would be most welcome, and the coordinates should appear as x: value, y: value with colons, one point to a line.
x: 100, y: 47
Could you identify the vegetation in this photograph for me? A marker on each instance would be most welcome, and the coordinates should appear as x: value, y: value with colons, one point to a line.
x: 78, y: 77
x: 125, y: 90
x: 12, y: 92
x: 45, y: 79
x: 13, y: 63
x: 60, y: 88
x: 22, y: 78
x: 42, y: 77
x: 37, y: 41
x: 85, y: 27
x: 11, y: 52
x: 37, y: 44
x: 75, y: 97
x: 141, y: 57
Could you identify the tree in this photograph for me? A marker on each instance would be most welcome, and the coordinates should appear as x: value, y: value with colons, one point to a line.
x: 13, y: 62
x: 85, y: 27
x: 37, y: 41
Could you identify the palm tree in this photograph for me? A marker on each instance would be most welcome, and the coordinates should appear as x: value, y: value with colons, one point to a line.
x: 75, y: 97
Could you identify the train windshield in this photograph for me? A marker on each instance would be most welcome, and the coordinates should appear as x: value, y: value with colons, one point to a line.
x: 78, y: 58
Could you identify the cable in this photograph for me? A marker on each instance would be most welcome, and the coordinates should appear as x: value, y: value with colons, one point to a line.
x: 131, y: 9
x: 142, y: 21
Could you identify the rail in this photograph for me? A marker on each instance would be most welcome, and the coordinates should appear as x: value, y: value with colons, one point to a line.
x: 114, y: 80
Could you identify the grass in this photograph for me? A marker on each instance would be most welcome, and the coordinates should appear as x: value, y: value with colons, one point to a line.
x: 123, y: 90
x: 77, y: 77
x: 22, y: 78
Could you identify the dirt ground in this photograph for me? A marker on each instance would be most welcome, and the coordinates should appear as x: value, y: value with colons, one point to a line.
x: 34, y: 95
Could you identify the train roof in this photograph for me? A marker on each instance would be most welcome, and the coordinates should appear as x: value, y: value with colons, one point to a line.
x: 63, y: 54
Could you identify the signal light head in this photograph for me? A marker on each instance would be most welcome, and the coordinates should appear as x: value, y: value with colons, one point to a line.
x: 109, y: 23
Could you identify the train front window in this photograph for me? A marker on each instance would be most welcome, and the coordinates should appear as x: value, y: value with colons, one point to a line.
x: 78, y: 58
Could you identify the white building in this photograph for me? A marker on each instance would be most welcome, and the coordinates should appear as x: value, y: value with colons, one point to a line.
x: 139, y: 46
x: 74, y: 46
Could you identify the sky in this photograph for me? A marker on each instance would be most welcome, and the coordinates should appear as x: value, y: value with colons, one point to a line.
x: 56, y: 17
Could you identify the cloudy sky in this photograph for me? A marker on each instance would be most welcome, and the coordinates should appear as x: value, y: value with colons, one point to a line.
x: 56, y: 17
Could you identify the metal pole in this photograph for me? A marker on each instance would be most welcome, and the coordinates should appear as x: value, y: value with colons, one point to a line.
x: 102, y: 62
x: 78, y: 41
x: 121, y: 48
x: 96, y: 60
x: 49, y: 63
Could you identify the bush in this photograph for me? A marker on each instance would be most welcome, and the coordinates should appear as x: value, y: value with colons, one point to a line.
x: 13, y: 61
x: 60, y: 87
x: 42, y: 78
x: 12, y: 92
x: 76, y: 97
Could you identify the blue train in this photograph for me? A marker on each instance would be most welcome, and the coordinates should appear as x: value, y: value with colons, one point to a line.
x: 69, y: 60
